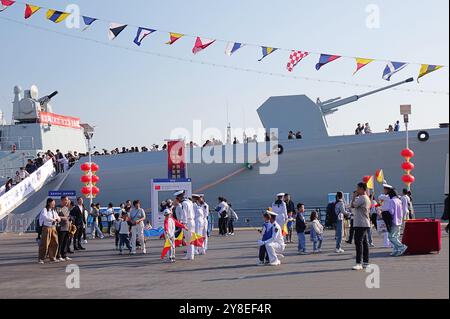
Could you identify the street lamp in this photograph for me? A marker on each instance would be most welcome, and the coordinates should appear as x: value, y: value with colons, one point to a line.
x: 405, y: 110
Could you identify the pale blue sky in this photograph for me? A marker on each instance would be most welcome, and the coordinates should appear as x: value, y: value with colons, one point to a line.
x: 136, y: 99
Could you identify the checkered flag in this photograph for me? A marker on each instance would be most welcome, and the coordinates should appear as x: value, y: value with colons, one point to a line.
x: 295, y: 58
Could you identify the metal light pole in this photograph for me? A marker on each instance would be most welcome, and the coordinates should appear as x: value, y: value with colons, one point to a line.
x: 405, y: 110
x: 89, y: 134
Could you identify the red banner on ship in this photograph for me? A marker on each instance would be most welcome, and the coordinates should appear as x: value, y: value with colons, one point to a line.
x: 176, y: 160
x: 59, y: 120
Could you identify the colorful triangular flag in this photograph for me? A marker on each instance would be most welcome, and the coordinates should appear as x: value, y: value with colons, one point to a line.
x: 201, y: 44
x: 174, y: 37
x: 115, y: 29
x: 30, y: 10
x: 179, y: 240
x: 141, y: 34
x: 360, y: 63
x: 325, y: 59
x: 370, y: 184
x: 266, y: 51
x: 427, y: 69
x: 88, y: 21
x: 295, y: 58
x: 5, y: 4
x: 56, y: 16
x: 284, y: 231
x: 380, y: 176
x: 233, y: 47
x: 166, y: 248
x: 392, y: 68
x: 197, y: 240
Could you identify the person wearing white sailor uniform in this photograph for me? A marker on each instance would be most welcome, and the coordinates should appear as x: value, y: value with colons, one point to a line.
x: 275, y: 244
x: 279, y: 207
x: 199, y: 219
x: 187, y: 218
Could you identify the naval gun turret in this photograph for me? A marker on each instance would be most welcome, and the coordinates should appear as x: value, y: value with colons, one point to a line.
x: 331, y: 106
x: 298, y: 113
x: 26, y: 108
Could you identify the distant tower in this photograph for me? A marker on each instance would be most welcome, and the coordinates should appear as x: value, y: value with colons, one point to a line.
x: 2, y: 119
x: 229, y: 133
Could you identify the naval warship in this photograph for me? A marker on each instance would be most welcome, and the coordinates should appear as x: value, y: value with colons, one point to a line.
x: 309, y: 168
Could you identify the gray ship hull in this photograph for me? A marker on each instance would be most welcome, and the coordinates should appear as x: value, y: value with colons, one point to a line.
x: 308, y: 170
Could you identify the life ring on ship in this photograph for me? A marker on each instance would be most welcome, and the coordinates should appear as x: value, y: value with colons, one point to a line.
x: 278, y: 149
x: 423, y: 136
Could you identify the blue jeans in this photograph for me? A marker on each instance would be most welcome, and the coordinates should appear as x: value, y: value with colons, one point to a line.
x: 317, y: 245
x: 301, y: 242
x: 339, y: 226
x: 394, y: 237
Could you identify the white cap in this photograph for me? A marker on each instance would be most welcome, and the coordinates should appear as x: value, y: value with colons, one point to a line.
x: 167, y: 212
x: 271, y: 213
x: 388, y: 186
x: 195, y: 196
x: 281, y: 195
x: 178, y: 193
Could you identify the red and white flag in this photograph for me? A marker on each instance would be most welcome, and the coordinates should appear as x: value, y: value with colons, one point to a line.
x: 295, y: 58
x: 201, y: 44
x: 4, y: 4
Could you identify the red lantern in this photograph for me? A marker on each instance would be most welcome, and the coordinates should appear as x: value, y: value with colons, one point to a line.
x: 95, y: 168
x: 86, y: 167
x: 408, y: 166
x: 86, y: 191
x: 95, y: 179
x: 407, y: 153
x: 408, y: 179
x: 95, y: 191
x: 86, y: 179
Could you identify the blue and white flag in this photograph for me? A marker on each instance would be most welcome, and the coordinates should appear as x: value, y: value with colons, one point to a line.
x: 392, y: 68
x: 88, y: 21
x: 233, y: 47
x: 141, y: 34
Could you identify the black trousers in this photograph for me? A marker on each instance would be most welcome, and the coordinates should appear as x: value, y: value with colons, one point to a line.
x: 362, y: 244
x: 263, y: 256
x: 77, y: 237
x: 223, y: 225
x: 352, y: 232
x: 231, y: 226
x: 63, y: 243
x: 387, y: 218
x: 373, y: 219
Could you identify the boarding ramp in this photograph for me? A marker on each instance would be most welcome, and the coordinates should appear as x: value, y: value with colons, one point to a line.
x: 18, y: 206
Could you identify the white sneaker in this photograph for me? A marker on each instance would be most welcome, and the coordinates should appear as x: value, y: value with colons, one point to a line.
x: 260, y: 263
x: 68, y: 259
x: 276, y: 263
x: 340, y: 251
x: 365, y: 266
x: 85, y: 241
x: 41, y: 262
x: 62, y: 259
x: 358, y: 267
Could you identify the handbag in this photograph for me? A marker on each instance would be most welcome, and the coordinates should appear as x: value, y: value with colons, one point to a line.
x: 73, y: 229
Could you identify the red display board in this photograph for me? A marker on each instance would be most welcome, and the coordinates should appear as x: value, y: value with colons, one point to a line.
x: 176, y: 160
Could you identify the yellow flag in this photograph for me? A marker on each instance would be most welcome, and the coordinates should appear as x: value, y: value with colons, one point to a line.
x: 360, y: 63
x: 427, y: 69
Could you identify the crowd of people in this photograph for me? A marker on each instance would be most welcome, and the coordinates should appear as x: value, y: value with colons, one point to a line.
x: 64, y: 227
x: 366, y: 129
x: 62, y: 162
x: 387, y: 214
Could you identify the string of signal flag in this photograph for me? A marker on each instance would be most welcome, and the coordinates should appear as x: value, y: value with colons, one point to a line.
x: 202, y: 43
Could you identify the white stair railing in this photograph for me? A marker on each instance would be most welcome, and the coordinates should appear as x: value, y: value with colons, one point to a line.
x: 19, y: 193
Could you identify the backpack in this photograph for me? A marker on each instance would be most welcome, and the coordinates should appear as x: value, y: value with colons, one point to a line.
x: 38, y: 226
x: 331, y: 217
